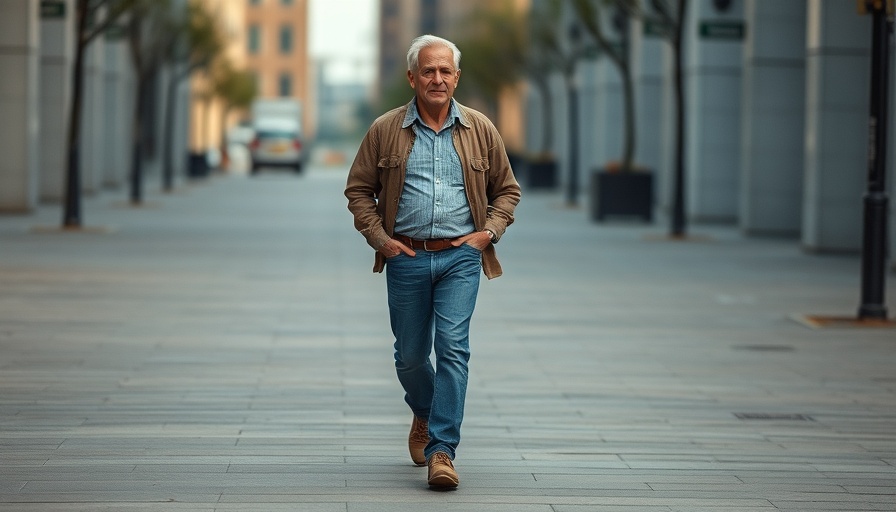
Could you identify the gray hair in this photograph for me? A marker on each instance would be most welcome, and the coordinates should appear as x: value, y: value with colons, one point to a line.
x: 425, y: 42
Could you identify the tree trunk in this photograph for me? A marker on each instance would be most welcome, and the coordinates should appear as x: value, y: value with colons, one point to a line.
x: 628, y: 150
x: 136, y: 143
x: 572, y: 184
x: 547, y: 115
x: 224, y: 156
x: 679, y: 220
x: 71, y: 215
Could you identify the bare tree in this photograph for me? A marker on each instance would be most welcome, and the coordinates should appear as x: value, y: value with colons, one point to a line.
x: 493, y: 65
x: 92, y: 18
x: 566, y: 54
x: 591, y: 13
x: 150, y: 23
x: 193, y: 47
x: 235, y: 88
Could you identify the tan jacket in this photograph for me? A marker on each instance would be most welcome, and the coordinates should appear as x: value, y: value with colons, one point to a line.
x: 376, y: 179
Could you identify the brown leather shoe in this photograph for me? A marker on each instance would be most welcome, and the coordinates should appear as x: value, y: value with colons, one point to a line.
x: 417, y: 440
x: 441, y: 471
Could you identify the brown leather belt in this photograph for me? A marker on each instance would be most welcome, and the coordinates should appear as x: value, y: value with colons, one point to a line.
x: 432, y: 245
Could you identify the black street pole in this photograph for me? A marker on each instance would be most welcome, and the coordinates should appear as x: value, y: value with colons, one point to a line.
x: 875, y: 243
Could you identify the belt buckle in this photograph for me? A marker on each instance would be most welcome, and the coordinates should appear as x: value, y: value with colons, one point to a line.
x: 425, y: 248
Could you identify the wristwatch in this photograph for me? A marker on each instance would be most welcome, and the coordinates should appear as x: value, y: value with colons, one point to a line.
x: 492, y: 235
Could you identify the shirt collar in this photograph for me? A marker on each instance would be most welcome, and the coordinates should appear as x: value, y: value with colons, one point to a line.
x: 412, y: 115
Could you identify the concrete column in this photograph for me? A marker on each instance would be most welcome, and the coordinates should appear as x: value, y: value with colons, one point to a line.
x: 182, y: 128
x: 610, y: 114
x: 647, y: 63
x: 152, y: 163
x: 836, y: 141
x: 592, y: 105
x: 19, y: 91
x: 117, y: 113
x: 92, y: 117
x: 891, y: 168
x: 713, y: 83
x: 773, y: 118
x: 56, y: 56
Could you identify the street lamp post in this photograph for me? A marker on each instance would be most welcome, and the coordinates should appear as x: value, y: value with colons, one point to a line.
x: 874, y: 243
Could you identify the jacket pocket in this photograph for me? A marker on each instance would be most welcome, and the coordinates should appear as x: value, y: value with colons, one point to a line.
x: 479, y: 163
x: 388, y: 162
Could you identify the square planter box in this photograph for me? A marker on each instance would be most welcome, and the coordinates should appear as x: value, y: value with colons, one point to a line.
x: 518, y: 164
x: 621, y: 194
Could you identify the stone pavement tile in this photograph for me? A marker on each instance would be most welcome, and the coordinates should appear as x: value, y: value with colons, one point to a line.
x: 231, y: 348
x: 109, y: 507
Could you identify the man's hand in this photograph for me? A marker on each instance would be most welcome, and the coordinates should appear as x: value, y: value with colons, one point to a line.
x: 393, y: 248
x: 478, y: 240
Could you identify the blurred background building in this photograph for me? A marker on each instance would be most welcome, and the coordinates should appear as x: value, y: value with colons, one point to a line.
x: 776, y: 97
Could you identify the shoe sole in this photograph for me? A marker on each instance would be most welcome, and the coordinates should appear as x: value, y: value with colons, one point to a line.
x: 442, y: 482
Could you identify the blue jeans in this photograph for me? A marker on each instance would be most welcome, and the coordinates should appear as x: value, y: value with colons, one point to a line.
x: 431, y: 301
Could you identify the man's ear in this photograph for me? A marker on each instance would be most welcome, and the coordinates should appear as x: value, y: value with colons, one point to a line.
x: 411, y: 79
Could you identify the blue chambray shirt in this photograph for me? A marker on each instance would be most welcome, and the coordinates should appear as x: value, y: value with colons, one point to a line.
x: 433, y: 202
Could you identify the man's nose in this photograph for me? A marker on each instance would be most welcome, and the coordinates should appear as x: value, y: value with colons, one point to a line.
x: 438, y: 78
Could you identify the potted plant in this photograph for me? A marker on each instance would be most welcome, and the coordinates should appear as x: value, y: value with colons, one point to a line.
x: 544, y: 56
x: 619, y: 188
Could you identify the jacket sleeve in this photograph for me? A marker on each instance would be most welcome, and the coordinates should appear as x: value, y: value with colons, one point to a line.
x: 362, y: 188
x: 502, y: 190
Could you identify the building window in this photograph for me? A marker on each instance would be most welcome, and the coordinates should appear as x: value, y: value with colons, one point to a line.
x: 286, y: 39
x: 285, y: 84
x: 286, y: 2
x: 254, y: 2
x: 254, y: 39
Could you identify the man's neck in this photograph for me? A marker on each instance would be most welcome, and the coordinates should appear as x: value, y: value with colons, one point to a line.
x: 434, y: 119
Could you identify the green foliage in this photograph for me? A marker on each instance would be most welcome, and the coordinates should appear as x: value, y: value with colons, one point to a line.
x: 202, y: 36
x: 235, y: 87
x: 494, y: 51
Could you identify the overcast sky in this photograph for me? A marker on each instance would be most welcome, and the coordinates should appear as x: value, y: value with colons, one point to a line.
x: 343, y: 35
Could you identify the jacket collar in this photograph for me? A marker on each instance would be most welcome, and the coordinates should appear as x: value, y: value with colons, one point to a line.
x: 456, y: 112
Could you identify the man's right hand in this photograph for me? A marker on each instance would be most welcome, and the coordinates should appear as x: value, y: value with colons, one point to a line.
x: 393, y: 248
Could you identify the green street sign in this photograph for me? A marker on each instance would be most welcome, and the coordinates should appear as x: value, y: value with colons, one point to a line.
x: 52, y: 9
x: 729, y: 30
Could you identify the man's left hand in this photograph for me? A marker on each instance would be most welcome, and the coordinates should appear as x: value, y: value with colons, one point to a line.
x: 478, y: 240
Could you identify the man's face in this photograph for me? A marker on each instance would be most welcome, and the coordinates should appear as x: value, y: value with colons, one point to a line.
x: 435, y: 78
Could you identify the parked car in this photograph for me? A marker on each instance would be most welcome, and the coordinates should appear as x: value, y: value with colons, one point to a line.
x: 276, y: 145
x: 277, y: 140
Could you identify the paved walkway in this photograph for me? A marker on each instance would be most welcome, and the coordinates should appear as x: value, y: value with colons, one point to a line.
x: 226, y: 348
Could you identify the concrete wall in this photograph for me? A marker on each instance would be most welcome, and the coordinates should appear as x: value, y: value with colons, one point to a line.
x: 773, y: 118
x: 19, y: 92
x: 836, y: 138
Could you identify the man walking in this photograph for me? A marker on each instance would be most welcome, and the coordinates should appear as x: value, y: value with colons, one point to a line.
x: 432, y: 191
